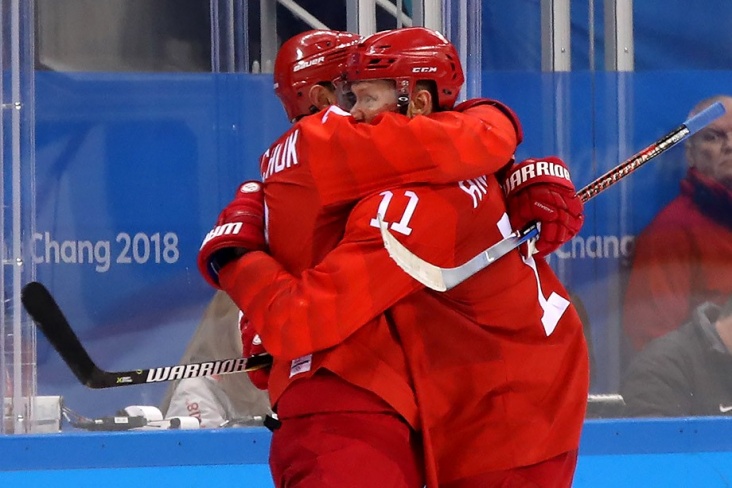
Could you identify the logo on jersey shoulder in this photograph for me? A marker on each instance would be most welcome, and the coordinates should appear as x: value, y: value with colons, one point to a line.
x: 306, y: 63
x: 250, y: 187
x: 301, y: 365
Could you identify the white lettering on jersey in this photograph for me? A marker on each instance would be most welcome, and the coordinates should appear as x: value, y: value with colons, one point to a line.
x: 504, y: 225
x: 476, y: 188
x: 281, y: 156
x: 535, y: 170
x: 554, y: 306
x: 403, y: 225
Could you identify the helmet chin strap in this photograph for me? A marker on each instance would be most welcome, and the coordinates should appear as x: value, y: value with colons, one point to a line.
x: 403, y: 104
x: 403, y: 90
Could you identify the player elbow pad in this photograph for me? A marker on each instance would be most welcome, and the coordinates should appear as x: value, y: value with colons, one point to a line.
x: 505, y: 109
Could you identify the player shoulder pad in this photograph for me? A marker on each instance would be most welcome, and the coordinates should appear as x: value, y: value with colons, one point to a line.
x: 507, y: 111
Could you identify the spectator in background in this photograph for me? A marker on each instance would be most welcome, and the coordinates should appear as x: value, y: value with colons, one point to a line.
x: 684, y: 257
x: 686, y: 372
x: 214, y: 400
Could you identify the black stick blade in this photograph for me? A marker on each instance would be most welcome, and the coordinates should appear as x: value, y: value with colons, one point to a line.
x: 45, y: 312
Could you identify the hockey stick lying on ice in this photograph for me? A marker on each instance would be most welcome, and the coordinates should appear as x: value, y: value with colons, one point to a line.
x: 442, y: 279
x: 47, y: 315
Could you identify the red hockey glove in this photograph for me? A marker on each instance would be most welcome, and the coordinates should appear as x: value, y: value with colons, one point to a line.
x: 239, y: 229
x: 540, y: 190
x: 251, y: 345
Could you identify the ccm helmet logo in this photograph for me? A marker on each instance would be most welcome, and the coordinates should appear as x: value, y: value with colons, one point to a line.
x: 424, y: 69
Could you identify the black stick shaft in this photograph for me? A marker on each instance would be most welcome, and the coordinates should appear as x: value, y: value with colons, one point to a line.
x: 688, y: 128
x: 45, y: 312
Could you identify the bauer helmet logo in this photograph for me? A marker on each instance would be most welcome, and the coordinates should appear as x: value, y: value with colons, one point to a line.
x: 424, y: 69
x: 308, y: 63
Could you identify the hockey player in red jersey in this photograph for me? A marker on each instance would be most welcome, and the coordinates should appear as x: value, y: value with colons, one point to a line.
x: 357, y: 381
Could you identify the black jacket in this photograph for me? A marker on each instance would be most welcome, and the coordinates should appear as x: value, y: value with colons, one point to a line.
x: 687, y: 372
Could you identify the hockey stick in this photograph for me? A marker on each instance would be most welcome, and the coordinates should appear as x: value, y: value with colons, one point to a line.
x: 443, y: 279
x: 43, y: 309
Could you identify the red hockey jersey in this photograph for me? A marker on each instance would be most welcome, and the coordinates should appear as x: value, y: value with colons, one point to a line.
x: 313, y: 176
x: 499, y: 363
x: 500, y: 360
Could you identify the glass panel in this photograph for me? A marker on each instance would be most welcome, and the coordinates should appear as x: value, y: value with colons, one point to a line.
x: 130, y: 134
x: 119, y: 255
x: 124, y: 35
x: 17, y: 335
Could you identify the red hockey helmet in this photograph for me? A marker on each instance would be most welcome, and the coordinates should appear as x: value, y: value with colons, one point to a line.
x: 312, y: 57
x: 406, y: 56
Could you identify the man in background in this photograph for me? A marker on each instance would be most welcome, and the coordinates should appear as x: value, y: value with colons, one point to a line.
x: 687, y: 372
x: 684, y: 257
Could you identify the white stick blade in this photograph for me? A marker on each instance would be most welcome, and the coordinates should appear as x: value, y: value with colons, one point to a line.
x: 427, y: 274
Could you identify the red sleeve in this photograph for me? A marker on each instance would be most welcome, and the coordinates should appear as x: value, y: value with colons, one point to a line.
x: 484, y: 108
x: 351, y: 160
x: 355, y: 282
x: 322, y: 306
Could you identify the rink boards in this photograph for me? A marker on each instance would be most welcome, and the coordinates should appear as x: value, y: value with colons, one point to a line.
x: 644, y: 453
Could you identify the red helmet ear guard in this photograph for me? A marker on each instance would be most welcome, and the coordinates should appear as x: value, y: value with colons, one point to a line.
x: 406, y: 56
x: 304, y: 60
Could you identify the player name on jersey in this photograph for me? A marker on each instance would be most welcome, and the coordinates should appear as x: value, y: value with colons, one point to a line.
x: 281, y: 156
